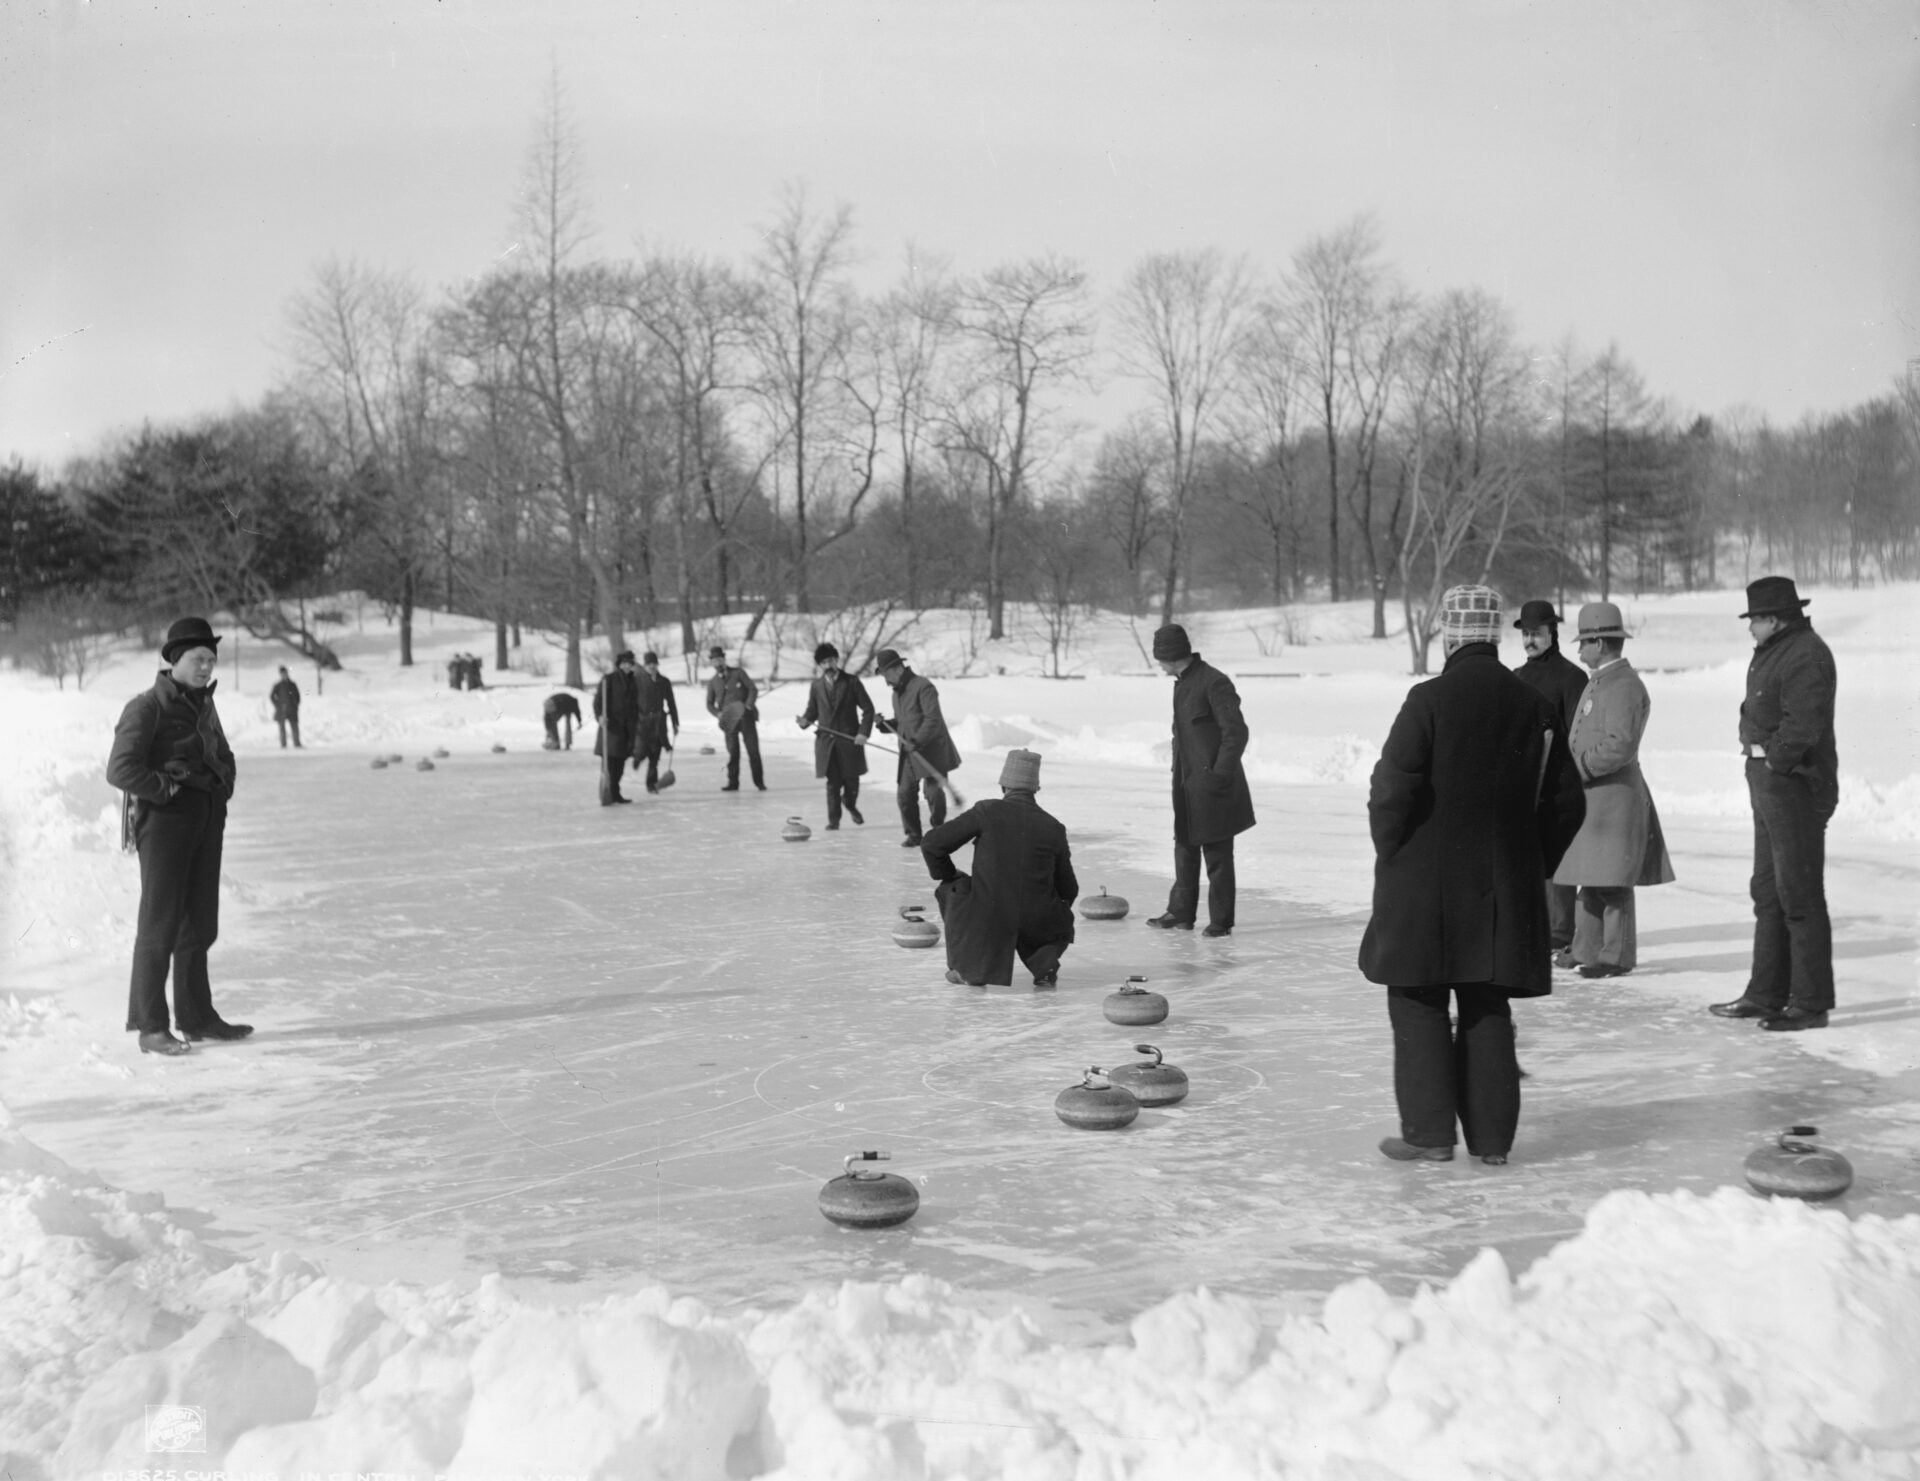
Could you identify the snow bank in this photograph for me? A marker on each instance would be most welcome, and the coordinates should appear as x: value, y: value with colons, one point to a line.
x: 1675, y: 1336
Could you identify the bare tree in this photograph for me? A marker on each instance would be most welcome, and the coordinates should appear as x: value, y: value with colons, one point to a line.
x: 907, y: 343
x: 1123, y: 499
x: 1267, y: 417
x: 1182, y: 317
x: 1024, y: 328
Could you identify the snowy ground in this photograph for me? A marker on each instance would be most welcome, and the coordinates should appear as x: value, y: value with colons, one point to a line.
x: 612, y: 1055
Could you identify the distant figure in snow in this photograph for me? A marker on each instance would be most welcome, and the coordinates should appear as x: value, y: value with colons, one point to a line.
x: 922, y: 730
x: 286, y: 708
x: 1562, y: 681
x: 1793, y: 785
x: 556, y: 709
x: 171, y: 757
x: 616, y: 705
x: 1619, y: 845
x: 657, y: 710
x: 838, y: 702
x: 1020, y: 895
x: 732, y: 698
x: 1211, y: 800
x: 1473, y: 802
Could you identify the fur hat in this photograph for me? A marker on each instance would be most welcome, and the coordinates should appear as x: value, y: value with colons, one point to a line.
x: 1170, y: 644
x: 625, y: 655
x: 1022, y: 772
x: 1773, y: 596
x: 187, y: 633
x: 825, y: 651
x: 1471, y: 614
x: 1601, y: 620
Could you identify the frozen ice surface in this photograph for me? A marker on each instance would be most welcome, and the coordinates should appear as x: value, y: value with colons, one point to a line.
x: 503, y: 1028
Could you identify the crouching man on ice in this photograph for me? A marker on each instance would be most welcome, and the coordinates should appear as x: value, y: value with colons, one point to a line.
x: 1021, y: 893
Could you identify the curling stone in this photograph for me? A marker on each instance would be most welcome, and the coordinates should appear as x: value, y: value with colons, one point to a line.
x: 379, y: 763
x: 796, y: 831
x: 1133, y: 1004
x: 423, y: 764
x: 861, y: 1198
x: 396, y: 758
x: 1792, y: 1166
x: 915, y: 930
x: 708, y: 751
x: 441, y: 753
x: 549, y: 745
x: 1096, y: 1103
x: 1103, y: 906
x: 498, y: 749
x: 1151, y: 1082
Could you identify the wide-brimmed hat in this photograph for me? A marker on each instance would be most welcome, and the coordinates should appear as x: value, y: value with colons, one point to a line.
x: 1021, y: 772
x: 1170, y: 644
x: 188, y: 632
x: 1602, y: 620
x: 1471, y: 614
x: 886, y: 658
x: 1537, y: 614
x: 1773, y: 596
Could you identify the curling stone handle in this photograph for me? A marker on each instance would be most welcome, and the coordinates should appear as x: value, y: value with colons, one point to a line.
x: 1136, y: 977
x: 1095, y: 1078
x: 853, y: 1157
x: 1149, y: 1049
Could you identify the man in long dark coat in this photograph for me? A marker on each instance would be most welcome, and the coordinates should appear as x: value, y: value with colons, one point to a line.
x: 616, y: 705
x: 1562, y: 682
x: 1211, y: 802
x: 1473, y: 802
x: 838, y: 702
x: 1793, y: 783
x: 1020, y: 895
x: 285, y: 696
x: 657, y: 709
x: 171, y: 758
x: 922, y: 730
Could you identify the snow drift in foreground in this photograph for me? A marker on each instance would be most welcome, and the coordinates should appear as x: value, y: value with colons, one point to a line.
x: 1676, y: 1336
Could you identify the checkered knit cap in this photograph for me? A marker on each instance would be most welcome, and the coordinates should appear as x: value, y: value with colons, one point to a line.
x: 1471, y: 614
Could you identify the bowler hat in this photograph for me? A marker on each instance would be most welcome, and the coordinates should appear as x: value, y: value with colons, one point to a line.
x: 1601, y: 620
x: 1170, y: 644
x: 1022, y: 772
x: 825, y: 651
x: 1773, y: 596
x: 625, y: 655
x: 717, y: 652
x: 886, y: 658
x: 649, y: 656
x: 1537, y: 614
x: 188, y: 632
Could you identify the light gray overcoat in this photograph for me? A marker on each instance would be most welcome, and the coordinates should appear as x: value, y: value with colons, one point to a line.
x: 1620, y: 842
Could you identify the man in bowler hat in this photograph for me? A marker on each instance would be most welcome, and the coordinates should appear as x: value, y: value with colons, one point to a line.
x: 658, y: 710
x: 171, y: 757
x: 1561, y: 681
x: 733, y: 699
x: 1793, y: 785
x: 1472, y: 803
x: 1211, y: 801
x: 616, y: 705
x: 927, y: 751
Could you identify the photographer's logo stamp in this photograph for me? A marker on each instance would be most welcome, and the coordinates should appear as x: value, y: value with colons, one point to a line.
x: 179, y: 1429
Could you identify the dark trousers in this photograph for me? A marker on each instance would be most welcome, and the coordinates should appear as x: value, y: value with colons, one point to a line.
x: 286, y: 723
x: 1441, y: 1076
x: 553, y: 728
x: 1183, y: 901
x: 907, y: 789
x: 179, y: 912
x: 1792, y: 935
x: 1605, y: 933
x: 843, y: 785
x: 749, y: 733
x: 653, y: 740
x: 616, y: 750
x: 1560, y: 915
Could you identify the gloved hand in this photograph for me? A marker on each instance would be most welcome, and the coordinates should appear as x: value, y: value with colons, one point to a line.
x: 885, y: 727
x: 798, y: 720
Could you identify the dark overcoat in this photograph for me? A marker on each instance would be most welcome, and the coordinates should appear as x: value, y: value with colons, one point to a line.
x: 1560, y: 679
x: 1788, y: 710
x: 616, y: 705
x: 1020, y: 894
x: 1470, y: 809
x: 841, y: 704
x: 1211, y: 802
x: 918, y: 721
x: 657, y: 707
x: 286, y: 699
x: 170, y: 737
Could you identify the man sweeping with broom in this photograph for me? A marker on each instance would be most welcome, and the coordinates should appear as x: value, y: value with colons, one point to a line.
x: 923, y: 736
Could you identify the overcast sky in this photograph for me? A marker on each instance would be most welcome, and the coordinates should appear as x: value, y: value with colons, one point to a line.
x: 1731, y: 192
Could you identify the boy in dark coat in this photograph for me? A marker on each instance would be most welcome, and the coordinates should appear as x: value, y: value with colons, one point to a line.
x: 286, y: 707
x: 1793, y: 784
x: 1561, y: 682
x: 1473, y: 802
x: 838, y: 702
x: 171, y: 757
x: 1021, y: 893
x: 616, y: 705
x: 658, y: 709
x: 1211, y: 802
x: 923, y: 732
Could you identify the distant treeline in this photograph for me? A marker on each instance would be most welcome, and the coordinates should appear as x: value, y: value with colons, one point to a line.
x: 583, y: 443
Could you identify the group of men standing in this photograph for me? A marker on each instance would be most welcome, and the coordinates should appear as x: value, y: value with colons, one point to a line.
x: 635, y: 707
